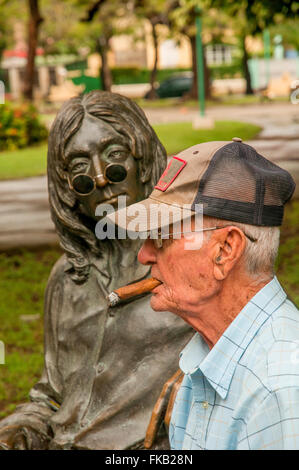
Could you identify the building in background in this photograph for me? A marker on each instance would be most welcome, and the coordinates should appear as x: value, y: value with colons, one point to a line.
x: 58, y: 78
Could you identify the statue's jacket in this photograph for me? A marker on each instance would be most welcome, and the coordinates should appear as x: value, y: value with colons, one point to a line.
x: 104, y: 367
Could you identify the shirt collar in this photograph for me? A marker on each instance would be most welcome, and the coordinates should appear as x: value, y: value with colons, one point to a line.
x: 218, y: 364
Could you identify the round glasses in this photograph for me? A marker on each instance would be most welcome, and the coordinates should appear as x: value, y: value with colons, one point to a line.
x: 84, y: 185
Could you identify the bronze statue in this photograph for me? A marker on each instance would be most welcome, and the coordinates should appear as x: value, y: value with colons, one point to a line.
x: 104, y: 368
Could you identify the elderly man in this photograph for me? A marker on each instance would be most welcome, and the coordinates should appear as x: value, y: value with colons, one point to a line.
x: 241, y: 384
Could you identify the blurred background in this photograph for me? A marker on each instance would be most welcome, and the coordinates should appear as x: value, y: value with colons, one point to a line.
x: 200, y: 69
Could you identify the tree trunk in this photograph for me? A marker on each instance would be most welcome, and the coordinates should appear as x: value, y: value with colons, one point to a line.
x: 249, y: 90
x: 105, y: 72
x: 34, y: 22
x: 152, y: 93
x: 194, y: 90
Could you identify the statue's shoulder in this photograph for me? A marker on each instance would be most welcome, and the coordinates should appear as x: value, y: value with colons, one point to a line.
x: 61, y: 279
x: 58, y: 274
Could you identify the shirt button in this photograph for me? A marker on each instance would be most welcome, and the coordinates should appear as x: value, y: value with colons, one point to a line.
x: 205, y: 404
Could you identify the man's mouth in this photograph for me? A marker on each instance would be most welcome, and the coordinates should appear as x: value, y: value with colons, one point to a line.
x: 155, y: 290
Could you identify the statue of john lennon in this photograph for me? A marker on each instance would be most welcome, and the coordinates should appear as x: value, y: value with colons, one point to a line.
x: 103, y: 368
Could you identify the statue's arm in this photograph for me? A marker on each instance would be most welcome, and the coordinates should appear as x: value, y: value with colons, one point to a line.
x: 48, y: 389
x: 28, y: 426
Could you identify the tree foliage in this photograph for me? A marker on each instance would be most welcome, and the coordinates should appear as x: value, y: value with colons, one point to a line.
x: 82, y: 26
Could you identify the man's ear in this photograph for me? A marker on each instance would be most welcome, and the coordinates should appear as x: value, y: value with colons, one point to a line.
x: 229, y: 249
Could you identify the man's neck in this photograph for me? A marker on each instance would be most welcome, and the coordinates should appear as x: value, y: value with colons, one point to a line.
x: 217, y: 313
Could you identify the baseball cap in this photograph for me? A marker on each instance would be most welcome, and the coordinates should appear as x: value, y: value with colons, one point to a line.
x: 227, y: 179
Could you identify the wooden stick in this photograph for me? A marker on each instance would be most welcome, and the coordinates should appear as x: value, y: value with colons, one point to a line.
x: 132, y: 290
x: 159, y: 409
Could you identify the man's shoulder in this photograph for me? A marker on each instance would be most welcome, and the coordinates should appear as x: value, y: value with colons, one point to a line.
x: 273, y: 355
x: 283, y: 325
x: 285, y: 322
x: 283, y: 354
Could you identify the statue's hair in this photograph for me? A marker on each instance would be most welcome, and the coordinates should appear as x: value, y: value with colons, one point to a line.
x: 129, y: 121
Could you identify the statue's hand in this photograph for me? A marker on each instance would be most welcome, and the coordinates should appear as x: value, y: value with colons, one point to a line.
x: 22, y: 438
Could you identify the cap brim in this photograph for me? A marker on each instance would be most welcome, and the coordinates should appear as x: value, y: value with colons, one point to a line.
x: 149, y: 215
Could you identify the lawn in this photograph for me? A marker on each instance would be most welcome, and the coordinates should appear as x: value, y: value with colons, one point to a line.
x: 31, y: 161
x: 225, y: 100
x: 23, y: 280
x: 178, y: 136
x: 175, y: 137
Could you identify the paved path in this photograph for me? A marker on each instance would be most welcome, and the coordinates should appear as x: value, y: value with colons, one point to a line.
x: 24, y: 214
x: 24, y: 211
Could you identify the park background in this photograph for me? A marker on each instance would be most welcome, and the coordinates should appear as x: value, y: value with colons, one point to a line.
x: 200, y: 70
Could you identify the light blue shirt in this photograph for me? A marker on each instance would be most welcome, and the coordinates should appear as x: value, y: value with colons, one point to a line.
x: 244, y: 392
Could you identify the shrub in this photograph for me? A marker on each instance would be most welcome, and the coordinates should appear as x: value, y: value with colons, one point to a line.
x: 20, y: 126
x: 126, y: 75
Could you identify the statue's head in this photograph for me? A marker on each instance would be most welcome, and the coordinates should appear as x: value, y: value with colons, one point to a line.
x: 101, y: 146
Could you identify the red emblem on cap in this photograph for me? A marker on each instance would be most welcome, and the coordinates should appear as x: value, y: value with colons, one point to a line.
x: 174, y: 167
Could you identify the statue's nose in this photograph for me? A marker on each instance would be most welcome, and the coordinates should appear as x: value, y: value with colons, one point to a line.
x: 100, y: 179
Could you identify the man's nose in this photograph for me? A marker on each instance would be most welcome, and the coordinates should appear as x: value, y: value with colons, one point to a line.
x: 98, y: 166
x: 147, y: 253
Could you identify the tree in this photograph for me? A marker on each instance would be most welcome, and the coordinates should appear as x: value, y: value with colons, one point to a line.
x: 157, y: 13
x: 182, y: 22
x: 35, y: 20
x: 58, y: 36
x: 12, y: 11
x: 114, y: 18
x: 288, y: 29
x: 9, y: 12
x: 251, y: 17
x: 103, y: 9
x: 263, y: 14
x: 3, y: 35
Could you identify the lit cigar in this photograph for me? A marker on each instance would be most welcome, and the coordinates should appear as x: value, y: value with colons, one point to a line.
x: 132, y: 290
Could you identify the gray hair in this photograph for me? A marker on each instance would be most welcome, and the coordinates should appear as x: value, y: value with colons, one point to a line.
x: 259, y: 256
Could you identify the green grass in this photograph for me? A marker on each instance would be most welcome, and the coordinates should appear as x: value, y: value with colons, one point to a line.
x: 288, y: 258
x: 178, y: 136
x: 31, y: 161
x: 23, y: 280
x: 175, y: 137
x: 225, y: 100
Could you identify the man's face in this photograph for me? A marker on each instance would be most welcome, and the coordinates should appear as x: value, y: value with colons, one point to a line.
x: 89, y: 151
x: 186, y: 275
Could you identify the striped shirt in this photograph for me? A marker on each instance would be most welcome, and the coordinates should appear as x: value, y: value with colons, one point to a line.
x: 244, y: 392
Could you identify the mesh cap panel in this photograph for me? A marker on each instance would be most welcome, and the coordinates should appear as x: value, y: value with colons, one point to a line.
x: 243, y: 186
x: 224, y: 181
